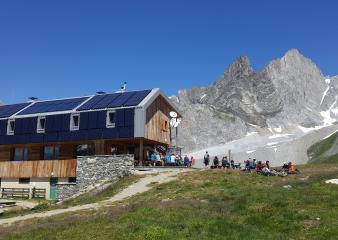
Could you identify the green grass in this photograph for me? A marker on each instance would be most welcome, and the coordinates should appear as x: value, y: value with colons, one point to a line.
x: 211, y: 204
x: 318, y: 153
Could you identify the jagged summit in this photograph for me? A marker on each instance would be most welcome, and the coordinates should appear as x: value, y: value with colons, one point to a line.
x: 287, y: 93
x: 240, y: 67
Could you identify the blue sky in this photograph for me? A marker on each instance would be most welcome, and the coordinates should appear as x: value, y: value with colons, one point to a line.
x: 53, y: 49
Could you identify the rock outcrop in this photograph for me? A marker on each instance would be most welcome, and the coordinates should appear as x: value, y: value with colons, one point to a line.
x: 288, y: 93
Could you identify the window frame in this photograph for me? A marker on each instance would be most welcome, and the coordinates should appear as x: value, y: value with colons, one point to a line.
x: 39, y: 128
x: 72, y: 126
x: 109, y: 123
x: 24, y: 154
x: 56, y: 151
x: 24, y: 181
x: 10, y: 131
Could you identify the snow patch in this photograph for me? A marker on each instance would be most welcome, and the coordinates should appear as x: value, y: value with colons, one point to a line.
x: 328, y: 80
x: 327, y: 119
x: 203, y: 96
x: 251, y: 133
x: 324, y: 94
x: 272, y: 143
x: 306, y: 130
x: 250, y: 151
x: 330, y: 135
x: 280, y: 135
x: 279, y: 129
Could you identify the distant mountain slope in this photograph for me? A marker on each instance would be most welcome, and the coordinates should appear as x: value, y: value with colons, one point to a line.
x: 287, y: 96
x: 325, y: 151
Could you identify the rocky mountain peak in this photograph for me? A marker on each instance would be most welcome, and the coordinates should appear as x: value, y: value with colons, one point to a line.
x: 239, y: 68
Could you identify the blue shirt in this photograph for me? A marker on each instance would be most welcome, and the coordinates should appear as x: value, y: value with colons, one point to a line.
x: 153, y: 157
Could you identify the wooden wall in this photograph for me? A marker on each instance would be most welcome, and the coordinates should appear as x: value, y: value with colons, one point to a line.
x: 43, y: 168
x: 157, y: 114
x: 5, y: 153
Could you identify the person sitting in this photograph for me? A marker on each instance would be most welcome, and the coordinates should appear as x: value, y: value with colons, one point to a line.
x: 186, y: 161
x: 244, y: 167
x: 285, y: 166
x: 216, y: 162
x: 225, y: 163
x: 251, y: 164
x: 254, y: 163
x: 292, y: 169
x: 259, y: 167
x: 267, y: 164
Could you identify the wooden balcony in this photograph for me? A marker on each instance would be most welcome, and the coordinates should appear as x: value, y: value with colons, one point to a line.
x: 38, y: 168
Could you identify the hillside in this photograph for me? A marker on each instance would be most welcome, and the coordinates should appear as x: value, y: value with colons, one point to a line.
x: 207, y: 204
x: 325, y: 151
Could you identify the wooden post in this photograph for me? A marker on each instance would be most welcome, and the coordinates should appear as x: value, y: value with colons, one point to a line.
x: 99, y: 147
x: 141, y: 152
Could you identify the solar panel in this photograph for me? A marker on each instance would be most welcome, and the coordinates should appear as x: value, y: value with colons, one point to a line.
x: 115, y: 100
x: 137, y: 98
x: 118, y: 102
x: 9, y: 110
x: 53, y: 106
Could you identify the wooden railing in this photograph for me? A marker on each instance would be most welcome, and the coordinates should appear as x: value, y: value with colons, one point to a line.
x: 38, y: 168
x: 15, y: 192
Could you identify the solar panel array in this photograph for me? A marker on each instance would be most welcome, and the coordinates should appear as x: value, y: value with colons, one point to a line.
x: 54, y: 106
x: 9, y: 110
x: 115, y: 100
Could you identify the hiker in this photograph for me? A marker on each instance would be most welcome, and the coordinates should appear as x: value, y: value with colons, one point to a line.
x: 267, y: 164
x: 232, y: 163
x: 254, y: 163
x: 292, y: 169
x: 172, y: 158
x: 186, y: 161
x: 167, y: 159
x: 245, y: 166
x: 251, y: 164
x: 192, y: 161
x: 153, y: 158
x: 259, y: 167
x: 206, y: 159
x: 216, y: 162
x: 285, y: 166
x: 225, y: 163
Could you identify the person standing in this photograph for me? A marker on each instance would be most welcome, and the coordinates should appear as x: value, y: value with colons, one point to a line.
x: 206, y: 159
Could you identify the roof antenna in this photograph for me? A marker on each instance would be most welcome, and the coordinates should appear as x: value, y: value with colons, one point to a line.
x: 123, y: 88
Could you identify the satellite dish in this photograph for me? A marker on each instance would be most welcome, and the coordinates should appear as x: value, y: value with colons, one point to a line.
x: 173, y: 114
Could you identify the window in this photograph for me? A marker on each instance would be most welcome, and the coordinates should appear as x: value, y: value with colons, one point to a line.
x: 75, y: 122
x: 85, y: 150
x: 10, y: 127
x: 24, y: 180
x: 51, y: 153
x: 72, y: 180
x: 41, y: 125
x: 20, y: 154
x: 111, y: 118
x: 165, y: 126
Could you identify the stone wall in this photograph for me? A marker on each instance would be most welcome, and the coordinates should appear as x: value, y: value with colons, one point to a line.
x: 94, y: 172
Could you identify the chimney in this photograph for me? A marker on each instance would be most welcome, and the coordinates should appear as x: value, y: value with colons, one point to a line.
x: 100, y: 92
x: 32, y: 99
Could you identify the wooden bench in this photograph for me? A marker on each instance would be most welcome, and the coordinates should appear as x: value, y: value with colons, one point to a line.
x: 38, y: 193
x: 15, y: 192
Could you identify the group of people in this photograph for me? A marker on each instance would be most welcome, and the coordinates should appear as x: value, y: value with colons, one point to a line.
x: 158, y: 159
x: 251, y: 165
x: 224, y: 163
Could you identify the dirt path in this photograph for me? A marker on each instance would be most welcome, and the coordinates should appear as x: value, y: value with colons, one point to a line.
x: 141, y: 186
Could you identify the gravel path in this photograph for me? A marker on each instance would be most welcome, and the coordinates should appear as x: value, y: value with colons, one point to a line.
x: 143, y: 185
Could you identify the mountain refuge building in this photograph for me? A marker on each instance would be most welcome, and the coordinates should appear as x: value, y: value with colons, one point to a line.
x: 42, y: 142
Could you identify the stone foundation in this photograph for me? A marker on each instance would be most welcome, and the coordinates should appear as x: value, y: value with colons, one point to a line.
x: 95, y: 172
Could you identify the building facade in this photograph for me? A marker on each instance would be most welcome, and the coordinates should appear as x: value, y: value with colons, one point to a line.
x: 41, y: 140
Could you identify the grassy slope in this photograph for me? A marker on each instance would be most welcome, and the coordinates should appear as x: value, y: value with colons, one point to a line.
x: 212, y: 204
x: 318, y: 152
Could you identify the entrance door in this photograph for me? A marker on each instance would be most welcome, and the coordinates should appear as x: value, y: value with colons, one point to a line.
x: 52, y: 190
